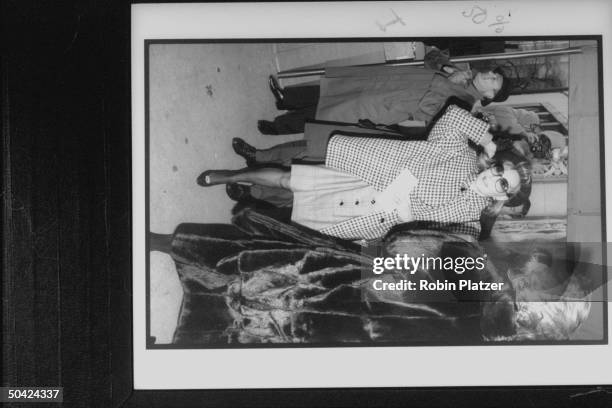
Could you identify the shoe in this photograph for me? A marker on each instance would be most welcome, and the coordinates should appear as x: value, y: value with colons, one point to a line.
x: 242, y: 148
x: 206, y: 180
x: 266, y: 127
x: 276, y: 90
x: 238, y: 192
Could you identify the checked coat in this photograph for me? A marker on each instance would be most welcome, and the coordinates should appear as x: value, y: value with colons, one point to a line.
x: 445, y: 166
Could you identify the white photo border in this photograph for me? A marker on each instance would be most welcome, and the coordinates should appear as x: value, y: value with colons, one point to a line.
x: 351, y: 366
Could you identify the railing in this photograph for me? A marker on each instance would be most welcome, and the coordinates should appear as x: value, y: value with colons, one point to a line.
x: 468, y: 58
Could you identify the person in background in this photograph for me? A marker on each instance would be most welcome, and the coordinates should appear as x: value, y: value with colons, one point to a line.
x: 512, y: 120
x: 387, y: 95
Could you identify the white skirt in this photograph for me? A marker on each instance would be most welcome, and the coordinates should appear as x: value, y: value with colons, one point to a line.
x: 323, y: 196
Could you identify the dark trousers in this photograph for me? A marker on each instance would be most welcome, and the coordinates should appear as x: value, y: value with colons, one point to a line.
x: 282, y: 153
x: 301, y: 96
x: 300, y: 102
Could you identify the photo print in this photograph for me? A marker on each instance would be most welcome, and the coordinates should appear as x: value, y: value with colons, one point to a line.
x: 267, y: 163
x: 377, y: 189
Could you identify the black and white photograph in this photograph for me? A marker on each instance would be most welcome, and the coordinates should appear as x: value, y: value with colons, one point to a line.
x: 268, y: 161
x: 385, y: 191
x: 306, y: 204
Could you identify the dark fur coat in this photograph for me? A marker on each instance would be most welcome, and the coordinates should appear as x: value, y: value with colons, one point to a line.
x: 261, y: 281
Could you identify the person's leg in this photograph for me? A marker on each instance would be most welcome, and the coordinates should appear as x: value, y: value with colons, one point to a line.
x: 300, y: 96
x: 278, y: 197
x: 281, y: 153
x: 294, y: 97
x: 288, y: 123
x: 270, y: 177
x: 260, y: 196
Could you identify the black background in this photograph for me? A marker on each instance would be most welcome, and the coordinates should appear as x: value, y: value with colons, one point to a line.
x: 66, y: 222
x: 66, y: 202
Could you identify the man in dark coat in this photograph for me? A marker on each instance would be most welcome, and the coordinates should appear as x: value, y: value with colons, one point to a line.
x: 385, y: 95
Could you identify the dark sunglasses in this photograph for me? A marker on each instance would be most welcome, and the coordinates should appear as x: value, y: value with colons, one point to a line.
x: 536, y: 147
x: 501, y: 185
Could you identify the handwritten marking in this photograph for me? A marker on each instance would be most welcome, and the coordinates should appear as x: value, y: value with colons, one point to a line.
x: 500, y: 20
x: 479, y: 15
x: 477, y: 18
x: 398, y: 19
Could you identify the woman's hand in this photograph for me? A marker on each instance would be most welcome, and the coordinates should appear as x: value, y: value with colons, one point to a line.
x: 490, y: 149
x: 460, y: 77
x: 531, y: 137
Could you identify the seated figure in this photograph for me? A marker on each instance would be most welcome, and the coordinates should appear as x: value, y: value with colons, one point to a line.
x: 263, y: 281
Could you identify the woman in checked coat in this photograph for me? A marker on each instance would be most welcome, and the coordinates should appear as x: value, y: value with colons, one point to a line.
x: 369, y: 185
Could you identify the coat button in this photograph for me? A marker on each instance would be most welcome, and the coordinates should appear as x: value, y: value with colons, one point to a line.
x: 373, y: 201
x: 382, y: 220
x: 341, y: 202
x: 357, y: 202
